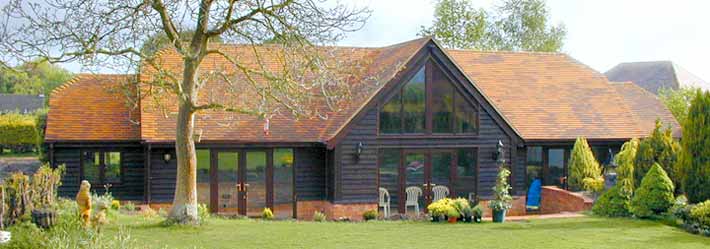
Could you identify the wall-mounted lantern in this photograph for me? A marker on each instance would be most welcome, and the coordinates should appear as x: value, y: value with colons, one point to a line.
x: 498, y: 154
x: 358, y: 151
x: 167, y: 156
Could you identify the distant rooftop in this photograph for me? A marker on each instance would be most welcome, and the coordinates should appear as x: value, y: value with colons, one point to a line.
x: 20, y: 103
x: 654, y: 75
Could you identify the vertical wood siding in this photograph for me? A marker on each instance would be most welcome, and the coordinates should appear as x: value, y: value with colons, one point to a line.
x: 356, y: 181
x: 131, y: 186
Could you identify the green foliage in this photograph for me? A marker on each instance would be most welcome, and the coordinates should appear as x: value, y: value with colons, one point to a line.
x: 319, y: 216
x: 677, y: 101
x: 694, y: 162
x: 655, y: 195
x: 203, y: 211
x: 585, y: 172
x: 613, y: 203
x: 24, y: 193
x: 701, y: 213
x: 440, y: 207
x: 478, y: 211
x: 40, y: 127
x: 659, y: 147
x: 369, y: 215
x: 36, y: 77
x: 115, y: 205
x: 501, y: 191
x: 130, y: 207
x: 513, y: 25
x: 16, y: 129
x: 267, y: 214
x: 625, y: 167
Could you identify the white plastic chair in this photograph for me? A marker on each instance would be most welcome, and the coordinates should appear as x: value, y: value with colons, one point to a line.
x: 440, y: 192
x: 385, y: 201
x: 413, y: 194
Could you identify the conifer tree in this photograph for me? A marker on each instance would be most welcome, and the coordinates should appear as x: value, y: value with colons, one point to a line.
x: 585, y: 172
x: 694, y: 162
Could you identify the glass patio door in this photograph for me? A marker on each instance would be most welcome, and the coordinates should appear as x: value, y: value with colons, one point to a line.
x: 415, y: 187
x: 254, y: 182
x: 228, y: 192
x: 440, y: 180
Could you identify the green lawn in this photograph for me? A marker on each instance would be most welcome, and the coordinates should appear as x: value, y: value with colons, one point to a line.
x: 8, y: 153
x: 585, y: 232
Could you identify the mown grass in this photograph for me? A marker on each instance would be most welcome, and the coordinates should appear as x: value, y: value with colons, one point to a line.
x: 587, y: 232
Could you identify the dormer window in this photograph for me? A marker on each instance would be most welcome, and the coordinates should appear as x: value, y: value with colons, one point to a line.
x: 443, y: 110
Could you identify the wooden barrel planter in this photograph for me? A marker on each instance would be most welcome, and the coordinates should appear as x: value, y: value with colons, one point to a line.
x: 44, y: 218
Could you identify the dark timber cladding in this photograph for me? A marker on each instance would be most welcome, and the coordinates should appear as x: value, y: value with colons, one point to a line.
x: 131, y: 184
x: 356, y: 180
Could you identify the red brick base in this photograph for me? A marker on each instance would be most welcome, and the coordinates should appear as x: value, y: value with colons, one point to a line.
x: 306, y: 209
x: 555, y: 200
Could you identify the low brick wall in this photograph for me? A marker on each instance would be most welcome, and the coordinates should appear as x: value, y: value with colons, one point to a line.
x: 518, y: 208
x: 555, y: 200
x: 306, y: 209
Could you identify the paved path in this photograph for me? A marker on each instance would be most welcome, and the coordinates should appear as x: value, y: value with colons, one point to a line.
x: 8, y: 165
x: 541, y: 216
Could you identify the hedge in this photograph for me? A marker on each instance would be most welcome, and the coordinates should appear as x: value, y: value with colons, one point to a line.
x: 16, y: 129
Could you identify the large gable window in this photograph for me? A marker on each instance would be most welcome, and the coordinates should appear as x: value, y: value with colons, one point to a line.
x: 445, y: 109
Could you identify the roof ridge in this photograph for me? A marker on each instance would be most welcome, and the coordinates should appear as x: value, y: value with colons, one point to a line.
x: 504, y: 51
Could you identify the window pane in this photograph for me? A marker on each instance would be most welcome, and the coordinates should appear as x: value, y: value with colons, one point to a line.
x: 414, y: 168
x: 256, y: 178
x: 227, y: 175
x: 413, y: 100
x: 203, y: 176
x: 556, y: 163
x: 442, y: 102
x: 466, y: 115
x: 92, y: 162
x: 465, y: 182
x: 391, y: 116
x: 441, y: 171
x: 389, y: 176
x: 534, y: 164
x: 112, y: 171
x: 283, y: 183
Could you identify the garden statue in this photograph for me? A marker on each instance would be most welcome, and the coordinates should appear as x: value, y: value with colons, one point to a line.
x: 83, y: 198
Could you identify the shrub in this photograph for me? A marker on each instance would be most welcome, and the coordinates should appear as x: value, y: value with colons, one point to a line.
x: 460, y: 204
x: 115, y: 205
x: 319, y: 216
x: 501, y: 195
x: 203, y: 211
x: 660, y: 147
x: 693, y: 162
x: 655, y: 194
x: 478, y: 211
x: 585, y: 172
x: 17, y: 130
x: 613, y: 203
x: 625, y: 169
x: 130, y: 207
x: 267, y: 214
x: 453, y: 213
x: 701, y: 213
x: 40, y: 117
x: 369, y: 215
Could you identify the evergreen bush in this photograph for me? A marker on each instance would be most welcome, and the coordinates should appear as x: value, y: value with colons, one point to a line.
x: 694, y: 162
x: 660, y: 147
x: 613, y: 203
x: 655, y: 194
x: 585, y: 172
x: 17, y: 130
x: 625, y: 167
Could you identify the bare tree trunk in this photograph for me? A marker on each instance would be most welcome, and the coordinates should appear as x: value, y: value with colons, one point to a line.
x: 184, y: 208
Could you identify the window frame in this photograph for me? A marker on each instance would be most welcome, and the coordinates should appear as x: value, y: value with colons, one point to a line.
x: 429, y: 63
x: 102, y: 166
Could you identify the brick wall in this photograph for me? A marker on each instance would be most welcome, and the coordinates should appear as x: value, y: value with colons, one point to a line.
x: 333, y: 211
x: 555, y: 200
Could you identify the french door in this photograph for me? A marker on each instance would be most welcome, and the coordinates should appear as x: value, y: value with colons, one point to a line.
x: 243, y: 182
x: 435, y: 173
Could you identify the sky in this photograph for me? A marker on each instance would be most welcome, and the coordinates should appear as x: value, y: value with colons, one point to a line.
x: 600, y: 33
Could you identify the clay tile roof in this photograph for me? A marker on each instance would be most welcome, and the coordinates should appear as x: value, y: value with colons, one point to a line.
x: 549, y: 96
x: 378, y: 65
x: 92, y: 108
x: 647, y: 108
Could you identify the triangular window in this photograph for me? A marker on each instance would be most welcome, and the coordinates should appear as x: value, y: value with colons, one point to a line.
x: 407, y: 110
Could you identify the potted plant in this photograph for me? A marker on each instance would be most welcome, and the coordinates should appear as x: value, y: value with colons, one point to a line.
x: 502, y: 201
x: 439, y: 209
x: 452, y: 214
x: 477, y: 213
x: 467, y: 214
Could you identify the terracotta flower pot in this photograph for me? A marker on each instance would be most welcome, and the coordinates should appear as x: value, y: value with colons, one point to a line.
x: 452, y: 220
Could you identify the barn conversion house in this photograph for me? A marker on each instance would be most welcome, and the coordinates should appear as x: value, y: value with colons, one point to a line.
x: 433, y: 120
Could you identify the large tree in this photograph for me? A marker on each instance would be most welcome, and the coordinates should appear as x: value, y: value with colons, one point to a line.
x: 111, y: 35
x: 677, y: 101
x: 517, y: 25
